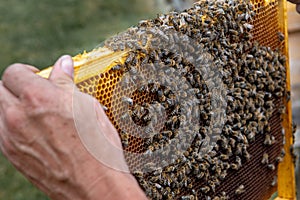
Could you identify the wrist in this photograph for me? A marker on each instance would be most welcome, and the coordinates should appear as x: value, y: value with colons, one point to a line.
x: 98, y: 181
x: 116, y: 185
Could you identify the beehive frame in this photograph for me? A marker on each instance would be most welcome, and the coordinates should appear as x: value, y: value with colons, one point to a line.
x: 286, y: 171
x: 100, y: 60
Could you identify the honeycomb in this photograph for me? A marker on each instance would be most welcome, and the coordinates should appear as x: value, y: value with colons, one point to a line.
x: 264, y: 22
x: 129, y: 85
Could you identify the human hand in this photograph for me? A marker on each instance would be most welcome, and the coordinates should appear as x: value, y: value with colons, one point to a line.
x: 39, y: 123
x: 297, y: 2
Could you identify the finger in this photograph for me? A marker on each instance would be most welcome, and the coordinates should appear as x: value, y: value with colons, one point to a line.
x: 6, y: 98
x: 19, y: 77
x: 63, y: 72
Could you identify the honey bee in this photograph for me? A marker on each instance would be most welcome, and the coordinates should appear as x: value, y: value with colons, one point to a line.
x: 216, y: 198
x: 246, y: 155
x: 143, y: 183
x: 129, y: 45
x: 117, y: 67
x: 155, y: 86
x: 189, y: 197
x: 167, y: 134
x: 148, y: 141
x: 269, y: 140
x: 115, y: 47
x: 274, y: 181
x: 147, y: 118
x: 200, y: 175
x: 154, y: 146
x: 203, y: 166
x: 248, y: 26
x: 127, y: 100
x: 166, y: 191
x: 233, y: 32
x: 281, y: 36
x: 283, y: 141
x: 207, y: 198
x: 279, y: 159
x: 294, y: 127
x: 143, y: 88
x: 138, y: 175
x: 154, y: 192
x: 265, y: 159
x: 205, y: 189
x: 170, y: 168
x: 224, y: 157
x: 155, y: 179
x: 124, y: 139
x: 104, y: 107
x: 122, y: 46
x: 282, y: 109
x: 238, y: 161
x: 240, y: 190
x: 225, y: 165
x: 251, y: 136
x: 172, y: 121
x: 271, y: 167
x: 158, y: 186
x: 224, y: 196
x: 282, y: 152
x: 234, y: 166
x: 239, y: 149
x: 130, y: 56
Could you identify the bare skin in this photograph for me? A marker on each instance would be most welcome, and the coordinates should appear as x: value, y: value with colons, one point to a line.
x: 297, y: 2
x: 39, y: 137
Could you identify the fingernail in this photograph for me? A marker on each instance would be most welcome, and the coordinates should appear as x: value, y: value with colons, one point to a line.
x: 67, y: 65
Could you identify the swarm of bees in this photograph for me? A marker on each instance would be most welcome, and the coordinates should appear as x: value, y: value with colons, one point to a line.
x: 213, y: 91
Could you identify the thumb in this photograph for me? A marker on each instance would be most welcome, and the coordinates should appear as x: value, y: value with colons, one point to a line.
x: 63, y: 72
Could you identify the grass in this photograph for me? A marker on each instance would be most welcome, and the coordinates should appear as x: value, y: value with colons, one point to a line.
x: 38, y: 32
x: 13, y: 186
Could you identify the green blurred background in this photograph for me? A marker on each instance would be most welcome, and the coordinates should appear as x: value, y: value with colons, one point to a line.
x: 37, y: 32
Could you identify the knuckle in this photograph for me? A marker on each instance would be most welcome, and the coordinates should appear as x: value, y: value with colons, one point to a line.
x: 35, y: 102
